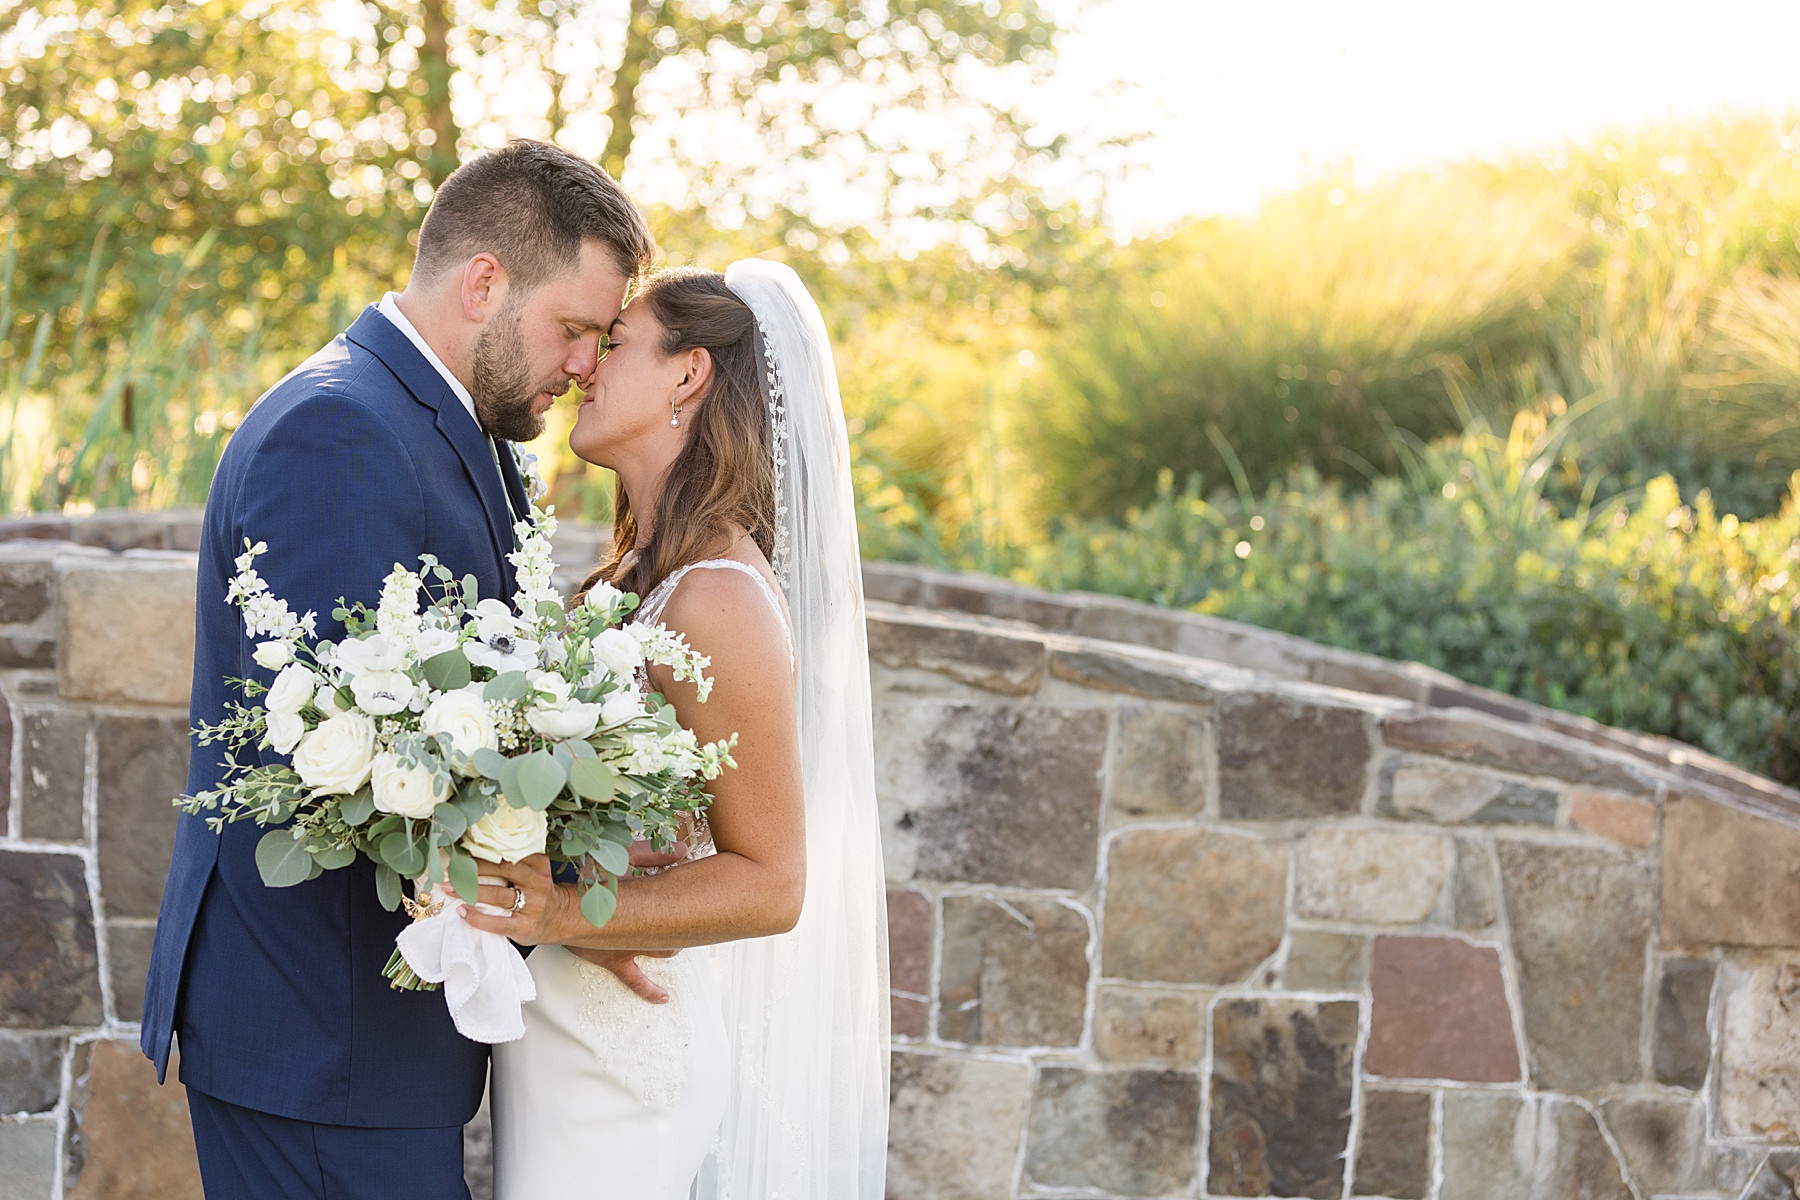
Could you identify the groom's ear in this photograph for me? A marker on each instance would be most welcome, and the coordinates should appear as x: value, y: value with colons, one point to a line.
x: 483, y: 288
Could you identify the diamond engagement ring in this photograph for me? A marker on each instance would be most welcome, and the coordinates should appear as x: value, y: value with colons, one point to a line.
x: 518, y: 900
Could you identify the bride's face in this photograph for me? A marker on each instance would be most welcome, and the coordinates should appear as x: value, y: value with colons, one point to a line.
x: 628, y: 406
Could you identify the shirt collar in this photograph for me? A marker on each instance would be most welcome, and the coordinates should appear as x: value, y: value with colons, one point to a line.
x: 390, y: 308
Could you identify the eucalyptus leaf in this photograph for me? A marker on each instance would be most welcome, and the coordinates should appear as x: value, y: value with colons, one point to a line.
x: 509, y: 685
x: 434, y: 868
x: 451, y: 819
x: 580, y: 749
x: 540, y: 777
x: 313, y: 869
x: 449, y: 671
x: 357, y: 808
x: 471, y: 591
x: 598, y: 904
x: 465, y: 879
x: 612, y: 857
x: 593, y: 780
x: 401, y: 851
x: 282, y: 859
x: 330, y: 858
x: 489, y: 762
x: 509, y: 784
x: 387, y: 886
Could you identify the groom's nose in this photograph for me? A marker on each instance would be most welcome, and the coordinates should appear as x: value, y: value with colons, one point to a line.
x: 584, y: 358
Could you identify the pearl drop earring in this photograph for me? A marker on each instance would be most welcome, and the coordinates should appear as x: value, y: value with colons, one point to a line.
x: 675, y: 417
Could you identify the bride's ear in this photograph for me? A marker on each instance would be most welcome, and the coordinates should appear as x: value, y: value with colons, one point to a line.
x: 696, y: 377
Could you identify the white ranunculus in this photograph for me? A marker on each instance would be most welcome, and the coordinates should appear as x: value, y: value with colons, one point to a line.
x: 382, y: 693
x: 621, y: 706
x: 603, y: 596
x: 462, y: 717
x: 507, y: 834
x: 406, y: 791
x: 273, y: 655
x: 570, y: 720
x: 429, y: 643
x: 292, y: 690
x: 551, y: 684
x: 618, y: 652
x: 335, y: 757
x: 359, y: 656
x: 285, y: 731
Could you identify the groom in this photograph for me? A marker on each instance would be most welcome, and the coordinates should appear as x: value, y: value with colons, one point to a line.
x: 307, y: 1075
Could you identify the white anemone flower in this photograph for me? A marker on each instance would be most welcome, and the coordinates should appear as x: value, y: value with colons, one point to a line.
x: 357, y: 656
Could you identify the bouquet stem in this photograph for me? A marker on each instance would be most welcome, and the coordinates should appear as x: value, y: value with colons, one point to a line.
x: 400, y: 975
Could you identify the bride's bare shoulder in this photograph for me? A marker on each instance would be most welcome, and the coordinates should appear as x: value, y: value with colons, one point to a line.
x: 733, y: 617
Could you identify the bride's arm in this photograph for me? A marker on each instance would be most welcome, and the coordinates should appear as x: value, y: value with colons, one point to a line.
x: 754, y: 885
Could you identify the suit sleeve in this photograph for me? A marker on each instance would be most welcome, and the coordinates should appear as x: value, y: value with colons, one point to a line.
x: 334, y: 492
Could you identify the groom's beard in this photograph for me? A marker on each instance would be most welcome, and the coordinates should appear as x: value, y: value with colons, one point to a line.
x: 504, y: 391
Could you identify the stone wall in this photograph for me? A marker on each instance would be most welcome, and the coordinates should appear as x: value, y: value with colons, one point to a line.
x: 1178, y: 908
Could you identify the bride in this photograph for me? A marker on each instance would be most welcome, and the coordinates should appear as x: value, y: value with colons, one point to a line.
x: 763, y: 1074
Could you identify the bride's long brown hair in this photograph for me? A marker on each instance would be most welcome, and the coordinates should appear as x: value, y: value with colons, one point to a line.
x: 724, y: 477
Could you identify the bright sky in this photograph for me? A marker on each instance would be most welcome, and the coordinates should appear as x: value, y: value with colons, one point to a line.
x: 1244, y: 98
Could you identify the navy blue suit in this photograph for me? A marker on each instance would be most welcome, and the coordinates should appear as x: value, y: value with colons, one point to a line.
x: 361, y: 458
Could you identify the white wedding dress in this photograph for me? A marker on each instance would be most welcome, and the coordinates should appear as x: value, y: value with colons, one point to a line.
x: 766, y: 1076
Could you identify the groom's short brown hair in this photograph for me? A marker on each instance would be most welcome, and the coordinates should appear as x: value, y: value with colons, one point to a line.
x: 531, y: 205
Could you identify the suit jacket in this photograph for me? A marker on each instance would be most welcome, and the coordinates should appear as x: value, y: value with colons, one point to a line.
x: 362, y: 458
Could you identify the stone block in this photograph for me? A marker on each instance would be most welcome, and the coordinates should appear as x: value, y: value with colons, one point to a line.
x: 1132, y: 674
x: 998, y: 662
x: 1663, y: 1140
x: 1393, y: 1153
x: 52, y: 974
x: 25, y: 652
x: 1451, y: 794
x: 1014, y: 972
x: 6, y: 779
x: 1779, y: 1178
x: 52, y: 770
x: 1475, y: 893
x: 142, y: 766
x: 1158, y: 765
x: 1286, y: 759
x: 1192, y: 905
x: 1499, y: 1146
x: 1581, y: 920
x: 1623, y: 819
x: 909, y: 960
x: 1490, y: 742
x: 128, y: 964
x: 129, y: 1139
x: 1377, y: 876
x: 1131, y: 1133
x: 126, y: 629
x: 1142, y: 1025
x: 1319, y: 961
x: 25, y: 590
x: 1439, y: 1012
x: 1759, y: 1055
x: 997, y: 795
x: 1730, y: 877
x: 1281, y: 1096
x: 954, y: 1127
x: 28, y: 1158
x: 30, y: 1072
x: 1683, y: 1046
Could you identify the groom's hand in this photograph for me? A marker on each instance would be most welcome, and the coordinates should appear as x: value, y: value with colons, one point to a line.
x: 623, y: 963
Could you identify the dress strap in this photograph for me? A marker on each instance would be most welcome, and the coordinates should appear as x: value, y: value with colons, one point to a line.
x: 652, y: 608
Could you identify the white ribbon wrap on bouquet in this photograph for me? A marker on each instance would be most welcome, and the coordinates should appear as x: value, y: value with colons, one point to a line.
x: 485, y: 979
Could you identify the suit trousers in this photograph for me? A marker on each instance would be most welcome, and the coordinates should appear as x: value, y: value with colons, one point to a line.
x: 250, y: 1155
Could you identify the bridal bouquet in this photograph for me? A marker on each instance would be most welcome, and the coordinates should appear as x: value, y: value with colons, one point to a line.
x: 430, y: 737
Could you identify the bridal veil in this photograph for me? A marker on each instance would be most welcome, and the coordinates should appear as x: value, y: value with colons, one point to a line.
x: 806, y: 1012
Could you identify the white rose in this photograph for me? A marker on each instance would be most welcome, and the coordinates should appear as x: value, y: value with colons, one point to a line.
x: 382, y: 693
x: 273, y: 655
x: 292, y: 690
x: 432, y: 642
x: 603, y: 596
x: 285, y: 731
x: 565, y: 721
x: 621, y: 706
x: 550, y: 683
x: 361, y: 655
x: 618, y: 652
x: 335, y: 757
x: 507, y: 834
x: 406, y: 791
x: 463, y: 718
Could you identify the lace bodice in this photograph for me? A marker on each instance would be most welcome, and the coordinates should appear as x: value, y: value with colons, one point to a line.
x: 658, y: 599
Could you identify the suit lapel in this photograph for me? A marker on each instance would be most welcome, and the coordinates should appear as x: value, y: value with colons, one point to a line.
x: 515, y: 483
x: 376, y: 334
